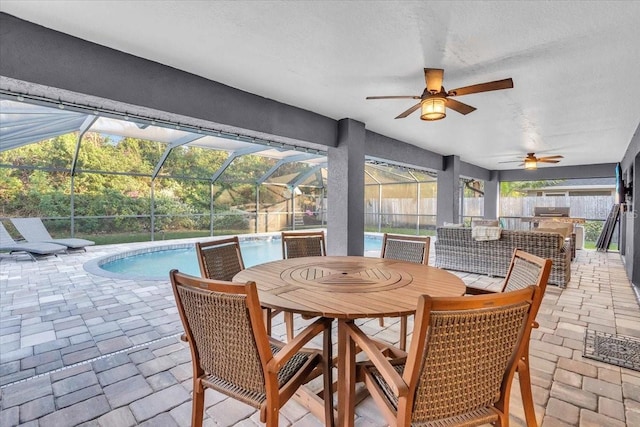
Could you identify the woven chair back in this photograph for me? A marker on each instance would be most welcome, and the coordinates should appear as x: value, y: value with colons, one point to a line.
x: 523, y: 273
x: 467, y: 355
x: 525, y: 270
x: 297, y: 245
x: 406, y: 248
x: 220, y: 259
x: 220, y: 328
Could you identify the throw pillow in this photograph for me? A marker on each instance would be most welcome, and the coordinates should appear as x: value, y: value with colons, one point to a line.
x: 561, y: 227
x: 485, y: 223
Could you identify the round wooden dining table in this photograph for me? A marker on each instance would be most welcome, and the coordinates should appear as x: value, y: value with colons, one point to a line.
x: 348, y: 288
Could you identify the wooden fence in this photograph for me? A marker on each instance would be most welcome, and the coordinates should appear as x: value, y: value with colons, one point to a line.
x: 398, y: 212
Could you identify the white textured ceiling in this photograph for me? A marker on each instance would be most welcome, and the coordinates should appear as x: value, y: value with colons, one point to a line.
x: 575, y: 65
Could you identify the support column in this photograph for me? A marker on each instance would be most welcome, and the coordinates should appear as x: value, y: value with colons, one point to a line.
x: 633, y: 268
x: 492, y: 196
x: 448, y: 209
x: 345, y: 183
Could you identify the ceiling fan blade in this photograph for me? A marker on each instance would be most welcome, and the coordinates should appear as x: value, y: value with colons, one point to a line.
x: 551, y: 157
x: 482, y: 87
x: 511, y: 161
x: 409, y: 111
x: 394, y: 97
x: 459, y: 106
x: 433, y: 79
x: 545, y: 160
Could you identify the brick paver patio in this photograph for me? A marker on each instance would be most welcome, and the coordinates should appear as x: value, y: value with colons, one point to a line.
x: 80, y: 349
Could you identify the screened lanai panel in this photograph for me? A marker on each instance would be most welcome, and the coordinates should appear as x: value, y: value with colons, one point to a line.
x: 131, y: 129
x: 229, y: 144
x: 314, y: 178
x: 115, y: 154
x: 22, y: 123
x: 193, y: 162
x: 300, y: 174
x: 53, y: 154
x: 391, y: 174
x: 247, y: 168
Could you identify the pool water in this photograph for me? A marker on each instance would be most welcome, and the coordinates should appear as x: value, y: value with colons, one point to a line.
x: 157, y: 264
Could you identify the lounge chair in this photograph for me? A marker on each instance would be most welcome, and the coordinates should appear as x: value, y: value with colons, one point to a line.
x: 33, y: 230
x: 7, y: 244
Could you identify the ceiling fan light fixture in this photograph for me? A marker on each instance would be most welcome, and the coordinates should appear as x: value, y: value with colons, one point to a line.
x: 433, y: 109
x: 530, y: 164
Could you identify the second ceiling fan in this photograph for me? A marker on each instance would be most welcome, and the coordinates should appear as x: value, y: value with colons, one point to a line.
x: 435, y: 99
x: 530, y: 161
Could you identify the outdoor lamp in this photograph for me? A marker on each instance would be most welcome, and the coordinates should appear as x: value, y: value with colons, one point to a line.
x: 433, y: 109
x: 530, y: 164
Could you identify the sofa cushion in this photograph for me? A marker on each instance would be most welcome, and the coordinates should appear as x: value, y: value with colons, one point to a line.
x: 561, y: 227
x: 484, y: 233
x: 485, y: 223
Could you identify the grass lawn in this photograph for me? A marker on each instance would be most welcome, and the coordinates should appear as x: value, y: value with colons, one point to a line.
x: 109, y: 239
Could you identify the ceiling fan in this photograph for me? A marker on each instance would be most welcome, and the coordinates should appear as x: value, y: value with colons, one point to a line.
x: 434, y: 98
x: 530, y: 161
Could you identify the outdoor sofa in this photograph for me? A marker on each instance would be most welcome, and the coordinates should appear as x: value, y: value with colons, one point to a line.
x: 456, y: 249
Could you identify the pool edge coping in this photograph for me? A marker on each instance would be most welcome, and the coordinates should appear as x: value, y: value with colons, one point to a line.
x: 93, y: 266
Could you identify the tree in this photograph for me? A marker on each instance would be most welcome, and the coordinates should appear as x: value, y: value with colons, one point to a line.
x: 519, y: 188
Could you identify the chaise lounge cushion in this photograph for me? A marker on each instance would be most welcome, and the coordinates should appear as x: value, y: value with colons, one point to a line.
x: 7, y: 244
x: 33, y: 230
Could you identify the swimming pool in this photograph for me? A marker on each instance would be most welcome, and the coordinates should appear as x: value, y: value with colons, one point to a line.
x: 154, y: 263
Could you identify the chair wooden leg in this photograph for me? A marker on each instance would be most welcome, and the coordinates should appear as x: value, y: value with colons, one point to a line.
x: 403, y: 333
x: 272, y: 417
x: 524, y: 378
x: 197, y: 408
x: 267, y: 319
x: 327, y: 355
x: 288, y: 323
x: 381, y: 320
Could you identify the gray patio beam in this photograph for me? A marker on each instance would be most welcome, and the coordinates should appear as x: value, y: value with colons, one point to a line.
x: 42, y: 56
x: 177, y: 143
x: 602, y: 170
x: 382, y: 147
x: 284, y: 161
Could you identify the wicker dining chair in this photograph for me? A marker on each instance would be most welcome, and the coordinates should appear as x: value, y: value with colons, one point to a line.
x: 232, y: 353
x: 525, y: 270
x: 302, y: 244
x: 297, y: 245
x: 405, y: 248
x: 460, y: 364
x: 221, y: 260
